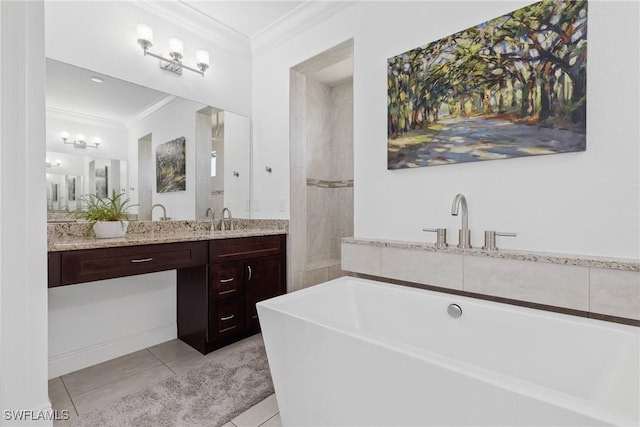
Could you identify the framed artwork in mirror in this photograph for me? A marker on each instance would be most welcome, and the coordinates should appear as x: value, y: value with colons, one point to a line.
x: 171, y: 166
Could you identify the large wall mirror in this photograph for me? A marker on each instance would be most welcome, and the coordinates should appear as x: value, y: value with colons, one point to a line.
x: 105, y: 134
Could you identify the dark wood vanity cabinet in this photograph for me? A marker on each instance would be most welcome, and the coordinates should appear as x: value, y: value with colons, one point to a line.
x: 240, y: 273
x: 219, y: 281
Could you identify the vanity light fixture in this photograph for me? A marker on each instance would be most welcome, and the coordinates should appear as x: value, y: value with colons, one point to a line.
x: 56, y: 164
x: 176, y: 50
x: 80, y: 141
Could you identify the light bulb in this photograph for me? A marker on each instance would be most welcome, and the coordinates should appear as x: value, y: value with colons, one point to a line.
x: 145, y: 34
x: 96, y: 140
x: 202, y: 57
x: 64, y: 135
x: 175, y: 46
x: 80, y: 137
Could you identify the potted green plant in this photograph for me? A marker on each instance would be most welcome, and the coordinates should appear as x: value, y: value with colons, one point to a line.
x: 107, y: 216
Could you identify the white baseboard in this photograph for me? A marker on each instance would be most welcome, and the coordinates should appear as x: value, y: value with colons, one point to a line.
x: 87, y: 356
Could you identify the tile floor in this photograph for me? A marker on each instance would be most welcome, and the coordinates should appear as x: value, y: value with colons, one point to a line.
x: 95, y: 386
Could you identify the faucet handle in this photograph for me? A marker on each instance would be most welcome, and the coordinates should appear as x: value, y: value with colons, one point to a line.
x: 441, y: 236
x: 490, y: 239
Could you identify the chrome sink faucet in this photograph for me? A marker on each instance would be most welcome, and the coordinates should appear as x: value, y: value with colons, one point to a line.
x: 213, y: 217
x: 222, y: 227
x: 464, y: 234
x: 164, y: 216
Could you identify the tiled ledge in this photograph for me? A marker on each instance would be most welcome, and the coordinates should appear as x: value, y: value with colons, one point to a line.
x: 625, y: 264
x: 604, y: 288
x: 71, y: 236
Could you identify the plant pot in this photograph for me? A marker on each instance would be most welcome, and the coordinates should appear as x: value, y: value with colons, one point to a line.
x: 110, y: 229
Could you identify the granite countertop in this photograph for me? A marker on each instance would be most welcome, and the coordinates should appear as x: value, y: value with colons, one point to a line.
x: 71, y: 236
x: 626, y: 264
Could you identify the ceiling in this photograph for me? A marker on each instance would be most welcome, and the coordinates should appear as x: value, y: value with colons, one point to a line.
x: 245, y: 17
x: 71, y: 89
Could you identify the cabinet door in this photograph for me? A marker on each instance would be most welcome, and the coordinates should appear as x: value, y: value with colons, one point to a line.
x: 265, y: 278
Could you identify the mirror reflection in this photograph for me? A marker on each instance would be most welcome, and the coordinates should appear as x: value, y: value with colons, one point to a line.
x: 106, y: 134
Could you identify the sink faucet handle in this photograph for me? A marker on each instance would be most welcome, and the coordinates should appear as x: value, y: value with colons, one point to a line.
x: 441, y: 236
x: 490, y: 239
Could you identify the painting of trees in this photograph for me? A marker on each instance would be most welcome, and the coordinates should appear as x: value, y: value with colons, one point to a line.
x: 510, y: 87
x: 171, y: 162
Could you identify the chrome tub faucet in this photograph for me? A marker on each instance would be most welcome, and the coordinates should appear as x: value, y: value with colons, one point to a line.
x: 464, y: 234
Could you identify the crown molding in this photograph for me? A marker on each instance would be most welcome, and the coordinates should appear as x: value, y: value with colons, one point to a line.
x: 298, y: 20
x: 165, y: 102
x: 194, y: 21
x: 87, y: 119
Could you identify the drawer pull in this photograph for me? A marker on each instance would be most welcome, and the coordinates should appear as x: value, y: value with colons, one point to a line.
x: 227, y: 280
x: 228, y: 317
x: 250, y: 272
x: 254, y: 317
x: 135, y: 261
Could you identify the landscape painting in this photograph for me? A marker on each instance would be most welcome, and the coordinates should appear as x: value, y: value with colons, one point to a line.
x: 511, y: 87
x: 171, y: 166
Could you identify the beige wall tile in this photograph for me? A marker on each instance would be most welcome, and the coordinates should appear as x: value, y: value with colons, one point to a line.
x: 316, y: 276
x: 615, y: 292
x: 429, y: 268
x: 552, y: 284
x: 361, y: 259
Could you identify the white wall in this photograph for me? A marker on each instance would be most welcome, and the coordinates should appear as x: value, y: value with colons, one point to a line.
x: 97, y: 321
x: 113, y: 136
x: 174, y: 121
x: 583, y: 203
x: 23, y: 277
x: 237, y: 131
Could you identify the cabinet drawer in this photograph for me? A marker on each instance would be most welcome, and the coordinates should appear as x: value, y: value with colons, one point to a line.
x: 98, y: 264
x: 53, y: 269
x: 225, y: 318
x: 222, y: 250
x: 226, y: 280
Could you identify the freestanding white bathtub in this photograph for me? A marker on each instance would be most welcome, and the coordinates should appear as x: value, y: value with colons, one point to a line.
x: 359, y: 352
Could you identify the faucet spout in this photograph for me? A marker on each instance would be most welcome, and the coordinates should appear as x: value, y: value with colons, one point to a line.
x: 164, y: 212
x: 464, y: 235
x: 457, y: 201
x: 222, y: 226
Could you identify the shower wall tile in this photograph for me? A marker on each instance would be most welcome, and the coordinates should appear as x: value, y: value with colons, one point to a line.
x: 298, y: 119
x: 615, y: 292
x: 361, y: 259
x: 319, y: 224
x: 318, y: 128
x: 336, y: 271
x: 314, y: 277
x: 342, y: 131
x: 551, y: 284
x: 427, y: 268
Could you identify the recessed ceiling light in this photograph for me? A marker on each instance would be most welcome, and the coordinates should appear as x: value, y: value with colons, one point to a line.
x: 95, y: 79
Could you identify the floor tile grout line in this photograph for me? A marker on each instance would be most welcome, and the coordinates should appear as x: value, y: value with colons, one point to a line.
x: 162, y: 361
x: 111, y: 382
x: 69, y: 395
x: 266, y: 421
x: 119, y: 379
